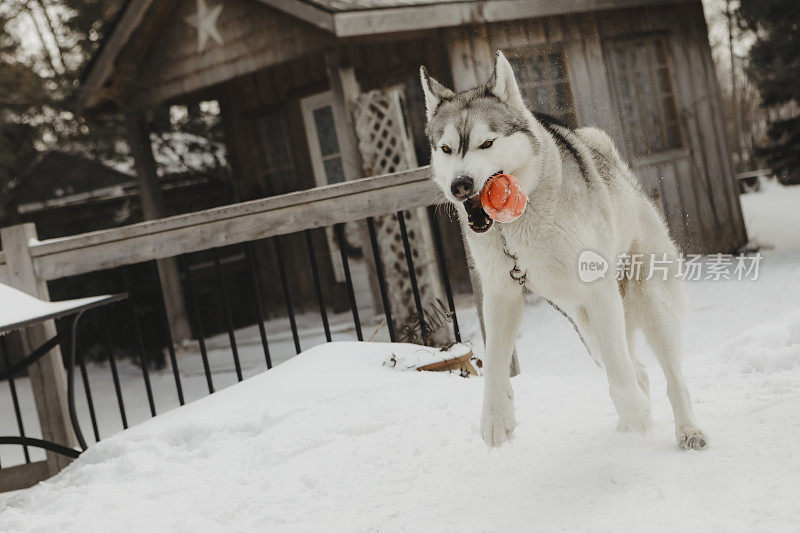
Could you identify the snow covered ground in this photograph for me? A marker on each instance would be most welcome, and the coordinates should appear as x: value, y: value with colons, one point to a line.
x: 332, y: 439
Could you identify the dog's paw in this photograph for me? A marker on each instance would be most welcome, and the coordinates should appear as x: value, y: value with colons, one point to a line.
x: 634, y: 411
x: 691, y: 438
x: 629, y: 426
x: 497, y: 420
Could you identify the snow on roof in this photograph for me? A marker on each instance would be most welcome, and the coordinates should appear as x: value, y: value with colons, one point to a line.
x: 178, y: 152
x: 175, y: 153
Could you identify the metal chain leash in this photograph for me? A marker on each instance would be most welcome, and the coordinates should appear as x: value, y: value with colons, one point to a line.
x: 516, y: 273
x: 521, y: 277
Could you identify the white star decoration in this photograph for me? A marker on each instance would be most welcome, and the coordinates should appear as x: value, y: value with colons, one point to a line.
x: 206, y: 23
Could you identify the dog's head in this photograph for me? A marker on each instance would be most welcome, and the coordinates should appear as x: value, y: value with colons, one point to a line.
x: 477, y: 133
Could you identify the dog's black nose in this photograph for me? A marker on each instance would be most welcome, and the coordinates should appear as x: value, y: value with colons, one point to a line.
x: 462, y: 187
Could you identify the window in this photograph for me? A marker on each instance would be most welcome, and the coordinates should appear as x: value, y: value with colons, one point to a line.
x: 276, y: 164
x: 323, y: 143
x: 643, y: 83
x: 326, y: 158
x: 543, y: 80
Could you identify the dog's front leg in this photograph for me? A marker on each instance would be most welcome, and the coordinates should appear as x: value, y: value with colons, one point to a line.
x: 502, y: 314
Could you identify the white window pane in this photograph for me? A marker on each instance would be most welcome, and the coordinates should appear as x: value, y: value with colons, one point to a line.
x: 334, y: 170
x: 326, y: 130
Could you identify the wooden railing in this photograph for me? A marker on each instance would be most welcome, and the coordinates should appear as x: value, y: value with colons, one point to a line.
x: 28, y: 264
x: 232, y: 224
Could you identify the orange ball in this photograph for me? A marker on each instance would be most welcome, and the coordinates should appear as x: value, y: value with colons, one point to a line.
x: 503, y: 198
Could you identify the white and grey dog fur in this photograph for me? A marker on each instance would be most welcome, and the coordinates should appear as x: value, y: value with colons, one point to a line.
x: 581, y: 196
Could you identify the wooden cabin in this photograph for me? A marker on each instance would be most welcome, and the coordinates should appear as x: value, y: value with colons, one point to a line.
x: 307, y: 89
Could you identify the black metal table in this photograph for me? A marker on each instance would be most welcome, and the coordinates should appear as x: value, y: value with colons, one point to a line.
x: 50, y: 311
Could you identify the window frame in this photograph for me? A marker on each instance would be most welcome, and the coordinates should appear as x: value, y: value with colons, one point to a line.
x: 668, y: 153
x: 527, y: 52
x: 266, y: 174
x: 307, y: 107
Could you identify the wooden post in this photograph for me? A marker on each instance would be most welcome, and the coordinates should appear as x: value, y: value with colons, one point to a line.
x: 349, y: 114
x: 146, y: 170
x: 471, y: 63
x: 345, y: 89
x: 48, y: 377
x: 153, y: 208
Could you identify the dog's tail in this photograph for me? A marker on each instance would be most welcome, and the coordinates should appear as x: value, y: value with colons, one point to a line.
x: 600, y: 142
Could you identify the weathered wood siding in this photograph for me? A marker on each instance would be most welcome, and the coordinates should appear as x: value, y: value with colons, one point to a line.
x: 255, y: 36
x: 694, y: 185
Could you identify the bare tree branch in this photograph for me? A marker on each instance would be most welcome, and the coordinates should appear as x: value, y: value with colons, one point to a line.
x: 54, y: 34
x: 48, y: 52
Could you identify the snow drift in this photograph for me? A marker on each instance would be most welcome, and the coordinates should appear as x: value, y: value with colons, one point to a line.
x: 334, y: 439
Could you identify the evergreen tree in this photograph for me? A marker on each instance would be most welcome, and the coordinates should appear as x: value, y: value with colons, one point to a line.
x: 37, y: 84
x: 38, y: 87
x: 774, y: 63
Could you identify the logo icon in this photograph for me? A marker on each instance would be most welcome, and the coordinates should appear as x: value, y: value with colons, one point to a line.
x: 591, y: 266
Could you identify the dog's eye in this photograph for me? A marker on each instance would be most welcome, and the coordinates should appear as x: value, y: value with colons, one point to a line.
x: 446, y: 149
x: 486, y: 144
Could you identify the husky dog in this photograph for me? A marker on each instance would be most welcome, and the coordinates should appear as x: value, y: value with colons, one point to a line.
x: 581, y: 197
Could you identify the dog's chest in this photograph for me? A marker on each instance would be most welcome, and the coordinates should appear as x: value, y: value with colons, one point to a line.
x: 538, y: 264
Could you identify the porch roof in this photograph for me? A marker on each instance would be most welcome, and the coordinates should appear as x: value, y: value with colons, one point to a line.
x: 140, y: 20
x: 356, y: 18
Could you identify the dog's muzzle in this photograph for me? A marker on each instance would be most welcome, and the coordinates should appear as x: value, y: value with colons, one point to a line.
x: 462, y: 187
x: 478, y: 220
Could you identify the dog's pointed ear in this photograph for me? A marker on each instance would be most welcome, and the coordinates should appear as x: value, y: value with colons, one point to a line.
x: 503, y: 84
x: 434, y: 91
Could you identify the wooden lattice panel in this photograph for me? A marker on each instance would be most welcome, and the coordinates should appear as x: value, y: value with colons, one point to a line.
x: 382, y: 138
x: 385, y: 146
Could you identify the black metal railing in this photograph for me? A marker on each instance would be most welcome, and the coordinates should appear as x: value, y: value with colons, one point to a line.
x: 219, y: 301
